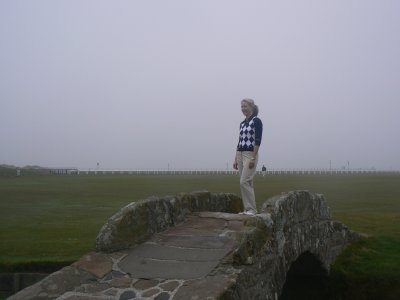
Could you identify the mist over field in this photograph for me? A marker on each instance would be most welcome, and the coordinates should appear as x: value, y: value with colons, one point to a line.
x: 157, y: 85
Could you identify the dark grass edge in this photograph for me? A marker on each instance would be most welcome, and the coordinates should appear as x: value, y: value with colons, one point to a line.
x: 34, y: 267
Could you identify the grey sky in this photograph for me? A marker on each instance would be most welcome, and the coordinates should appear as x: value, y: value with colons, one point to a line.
x: 144, y: 84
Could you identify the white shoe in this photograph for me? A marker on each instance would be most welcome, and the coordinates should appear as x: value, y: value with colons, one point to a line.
x: 249, y: 213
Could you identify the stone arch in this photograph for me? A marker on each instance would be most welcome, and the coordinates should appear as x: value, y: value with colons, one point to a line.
x: 302, y: 234
x: 307, y: 264
x: 307, y: 278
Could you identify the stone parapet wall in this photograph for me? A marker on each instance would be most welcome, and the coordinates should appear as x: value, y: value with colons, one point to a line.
x: 138, y: 221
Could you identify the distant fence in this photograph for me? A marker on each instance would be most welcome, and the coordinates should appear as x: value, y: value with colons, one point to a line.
x: 229, y: 172
x: 11, y: 172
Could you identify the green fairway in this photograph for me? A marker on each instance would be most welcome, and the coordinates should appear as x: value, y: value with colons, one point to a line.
x: 47, y: 219
x: 57, y: 218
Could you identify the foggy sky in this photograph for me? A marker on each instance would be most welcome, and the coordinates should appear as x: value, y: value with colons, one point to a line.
x: 152, y: 84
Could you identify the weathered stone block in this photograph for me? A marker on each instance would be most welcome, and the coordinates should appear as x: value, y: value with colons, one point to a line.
x: 95, y: 263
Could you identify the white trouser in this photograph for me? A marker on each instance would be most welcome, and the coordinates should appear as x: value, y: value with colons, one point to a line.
x: 243, y: 159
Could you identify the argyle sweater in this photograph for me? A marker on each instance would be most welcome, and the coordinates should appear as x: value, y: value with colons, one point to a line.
x: 250, y: 134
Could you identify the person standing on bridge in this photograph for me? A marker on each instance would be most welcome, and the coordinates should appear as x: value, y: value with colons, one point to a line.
x: 246, y: 158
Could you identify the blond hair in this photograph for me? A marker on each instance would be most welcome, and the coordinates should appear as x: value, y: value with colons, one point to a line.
x: 253, y: 106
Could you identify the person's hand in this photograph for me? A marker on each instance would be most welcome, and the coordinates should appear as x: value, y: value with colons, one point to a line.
x: 235, y: 165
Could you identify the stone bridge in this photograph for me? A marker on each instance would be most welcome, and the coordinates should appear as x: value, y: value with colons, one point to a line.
x: 197, y: 246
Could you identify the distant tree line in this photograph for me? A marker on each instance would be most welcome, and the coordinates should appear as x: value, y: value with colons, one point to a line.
x: 11, y: 170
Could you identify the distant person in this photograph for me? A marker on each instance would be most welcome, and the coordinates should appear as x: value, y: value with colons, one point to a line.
x: 246, y: 158
x: 264, y: 170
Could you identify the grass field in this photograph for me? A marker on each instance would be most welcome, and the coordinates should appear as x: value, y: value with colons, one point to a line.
x: 55, y: 219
